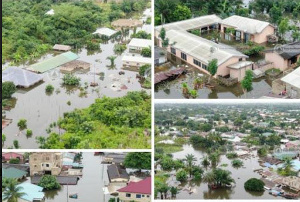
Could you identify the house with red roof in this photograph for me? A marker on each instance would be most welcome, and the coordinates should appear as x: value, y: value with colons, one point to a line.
x: 12, y: 155
x: 136, y: 191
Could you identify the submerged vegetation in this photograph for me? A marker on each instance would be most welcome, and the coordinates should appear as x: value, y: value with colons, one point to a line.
x: 108, y: 123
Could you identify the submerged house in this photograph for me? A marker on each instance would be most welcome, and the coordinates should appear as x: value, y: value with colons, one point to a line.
x: 21, y: 77
x: 60, y: 47
x: 117, y: 174
x: 45, y: 163
x: 247, y: 29
x: 136, y: 45
x: 106, y: 32
x: 292, y: 83
x: 136, y: 191
x: 135, y: 61
x: 285, y: 56
x: 13, y: 173
x: 198, y: 52
x: 12, y: 155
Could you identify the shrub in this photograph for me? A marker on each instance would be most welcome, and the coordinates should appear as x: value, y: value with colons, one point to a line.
x: 8, y: 88
x: 14, y: 161
x: 49, y: 89
x: 254, y: 184
x: 237, y: 163
x: 231, y: 155
x: 119, y: 48
x: 181, y: 176
x: 16, y: 144
x: 28, y: 132
x: 146, y: 52
x: 70, y: 79
x: 254, y: 50
x: 49, y: 182
x: 22, y: 124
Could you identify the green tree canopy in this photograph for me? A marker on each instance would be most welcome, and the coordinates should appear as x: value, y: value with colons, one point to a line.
x: 138, y: 160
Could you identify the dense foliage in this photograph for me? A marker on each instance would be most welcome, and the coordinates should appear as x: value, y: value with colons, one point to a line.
x: 138, y: 160
x: 254, y: 184
x: 49, y: 182
x: 108, y: 123
x: 8, y: 89
x: 70, y: 79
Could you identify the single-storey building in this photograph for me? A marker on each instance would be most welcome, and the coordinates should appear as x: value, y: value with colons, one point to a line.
x: 135, y: 61
x: 136, y: 191
x: 117, y: 174
x: 126, y: 23
x: 285, y: 56
x: 33, y: 193
x: 75, y: 65
x: 292, y: 83
x: 104, y: 31
x: 21, y: 77
x: 60, y: 47
x: 136, y: 45
x: 13, y: 173
x: 113, y: 158
x: 238, y: 70
x: 198, y: 52
x: 12, y: 155
x: 247, y: 29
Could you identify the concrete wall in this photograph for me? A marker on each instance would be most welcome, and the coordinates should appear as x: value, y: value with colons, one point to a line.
x: 123, y: 197
x: 239, y: 73
x: 262, y: 37
x: 278, y: 61
x: 292, y: 91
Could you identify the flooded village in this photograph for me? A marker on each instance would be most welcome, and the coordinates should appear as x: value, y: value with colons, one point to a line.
x: 40, y: 90
x: 227, y: 151
x: 240, y: 51
x: 68, y: 176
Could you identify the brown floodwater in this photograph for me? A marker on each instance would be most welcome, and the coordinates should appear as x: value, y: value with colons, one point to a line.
x: 40, y: 109
x: 173, y: 89
x: 89, y: 187
x: 240, y: 175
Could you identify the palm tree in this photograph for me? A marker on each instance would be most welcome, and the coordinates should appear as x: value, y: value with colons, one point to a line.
x: 163, y: 189
x: 214, y: 158
x: 209, y: 178
x: 222, y: 177
x: 190, y: 158
x: 205, y: 162
x: 112, y: 60
x: 12, y: 192
x: 185, y: 89
x: 174, y: 192
x: 287, y: 165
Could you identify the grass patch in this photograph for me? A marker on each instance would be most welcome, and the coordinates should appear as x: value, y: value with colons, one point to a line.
x: 273, y: 72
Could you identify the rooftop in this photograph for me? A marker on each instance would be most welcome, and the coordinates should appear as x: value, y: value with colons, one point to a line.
x: 21, y: 77
x: 142, y: 187
x: 33, y: 192
x: 53, y: 62
x: 240, y: 65
x: 144, y: 43
x: 201, y: 48
x: 293, y: 78
x: 138, y: 59
x: 115, y: 171
x: 191, y: 24
x: 287, y: 51
x: 105, y: 31
x: 244, y: 24
x: 13, y: 173
x: 61, y: 47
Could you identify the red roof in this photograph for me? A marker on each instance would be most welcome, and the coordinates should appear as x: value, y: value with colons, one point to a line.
x: 142, y: 187
x: 12, y: 155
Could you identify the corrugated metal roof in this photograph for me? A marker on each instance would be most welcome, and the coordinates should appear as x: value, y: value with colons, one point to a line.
x: 142, y: 187
x: 293, y: 78
x: 13, y: 173
x: 21, y: 77
x: 240, y: 64
x: 200, y: 48
x: 54, y: 62
x: 191, y: 24
x: 32, y: 192
x: 248, y: 25
x: 129, y: 58
x: 144, y: 43
x: 105, y: 31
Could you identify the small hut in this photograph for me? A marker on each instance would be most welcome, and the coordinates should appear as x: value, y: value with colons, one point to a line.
x: 60, y: 47
x: 127, y: 23
x: 75, y: 65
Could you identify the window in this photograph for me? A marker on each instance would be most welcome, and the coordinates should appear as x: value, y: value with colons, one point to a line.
x: 183, y: 56
x: 148, y: 196
x: 173, y: 50
x: 196, y: 62
x: 204, y: 66
x: 143, y: 196
x: 138, y: 196
x: 240, y: 59
x: 128, y: 195
x: 47, y: 165
x: 35, y: 166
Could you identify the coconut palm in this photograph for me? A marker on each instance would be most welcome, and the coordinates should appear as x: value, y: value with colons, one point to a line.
x: 174, y: 192
x: 112, y: 60
x: 190, y: 158
x: 12, y: 192
x: 209, y: 178
x: 214, y: 159
x: 287, y: 165
x: 222, y: 177
x: 205, y: 162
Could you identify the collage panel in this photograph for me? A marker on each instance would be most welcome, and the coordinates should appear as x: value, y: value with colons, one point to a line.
x: 76, y: 176
x: 226, y: 150
x: 227, y: 49
x: 76, y: 74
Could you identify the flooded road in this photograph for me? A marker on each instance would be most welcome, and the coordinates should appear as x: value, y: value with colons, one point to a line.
x: 240, y: 175
x: 40, y: 110
x: 89, y: 187
x: 173, y: 89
